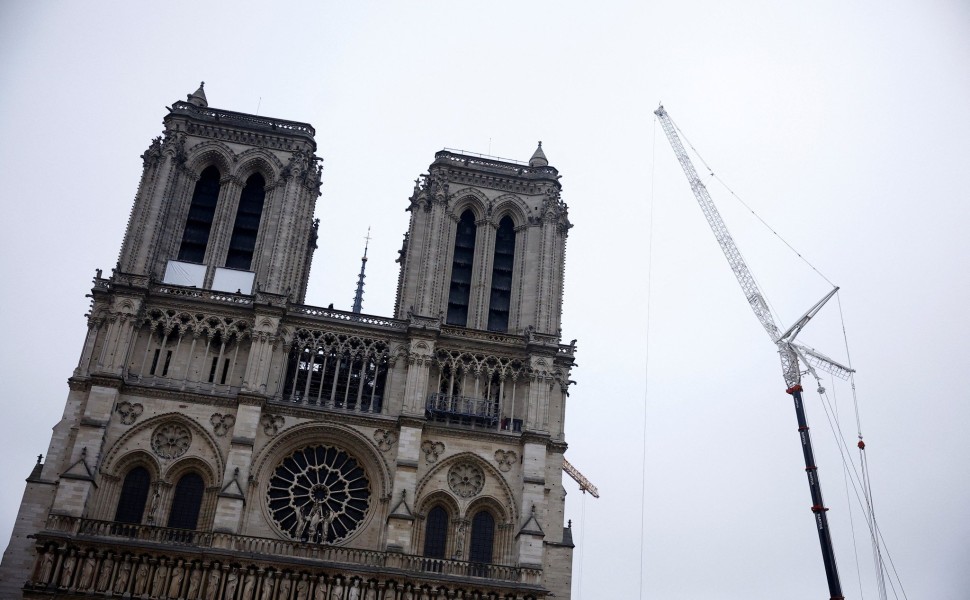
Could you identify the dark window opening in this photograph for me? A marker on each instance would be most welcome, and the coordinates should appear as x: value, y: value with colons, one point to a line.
x: 501, y: 297
x: 461, y: 270
x: 244, y: 231
x: 225, y: 371
x: 134, y: 495
x: 187, y: 502
x: 155, y: 361
x: 338, y: 378
x: 195, y: 237
x: 482, y: 541
x: 168, y: 361
x: 212, y: 371
x: 436, y: 533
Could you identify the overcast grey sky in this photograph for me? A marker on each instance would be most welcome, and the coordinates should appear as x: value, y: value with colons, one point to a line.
x: 844, y: 125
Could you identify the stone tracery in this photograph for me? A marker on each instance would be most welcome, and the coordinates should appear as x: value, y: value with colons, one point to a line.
x: 318, y: 494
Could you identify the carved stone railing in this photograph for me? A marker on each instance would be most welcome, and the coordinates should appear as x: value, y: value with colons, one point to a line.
x: 357, y: 318
x: 500, y: 165
x: 72, y: 556
x: 228, y: 117
x: 200, y: 294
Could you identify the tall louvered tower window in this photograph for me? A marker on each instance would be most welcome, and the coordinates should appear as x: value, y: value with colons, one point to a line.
x: 501, y: 296
x: 195, y: 237
x: 244, y: 231
x: 461, y: 270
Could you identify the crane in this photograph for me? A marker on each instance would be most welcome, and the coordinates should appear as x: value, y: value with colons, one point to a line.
x: 788, y: 350
x: 584, y: 484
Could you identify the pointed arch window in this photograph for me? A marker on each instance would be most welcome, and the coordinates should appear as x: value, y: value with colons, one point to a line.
x: 461, y: 270
x: 134, y: 495
x: 501, y: 296
x: 244, y: 231
x: 482, y: 542
x: 436, y: 533
x: 187, y: 502
x: 195, y: 236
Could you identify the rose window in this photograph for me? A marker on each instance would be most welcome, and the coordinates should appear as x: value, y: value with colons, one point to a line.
x: 171, y: 440
x: 318, y: 494
x: 466, y: 479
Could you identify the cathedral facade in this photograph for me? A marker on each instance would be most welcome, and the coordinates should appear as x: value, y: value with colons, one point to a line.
x: 223, y: 440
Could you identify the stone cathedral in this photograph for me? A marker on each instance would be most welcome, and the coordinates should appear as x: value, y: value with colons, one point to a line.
x: 223, y: 440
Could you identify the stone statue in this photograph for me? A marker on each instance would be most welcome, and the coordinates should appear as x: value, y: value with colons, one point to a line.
x: 337, y: 589
x: 175, y: 586
x: 302, y: 588
x: 195, y: 581
x: 87, y: 571
x: 212, y: 583
x: 158, y: 584
x: 328, y: 518
x: 285, y: 586
x: 47, y: 567
x: 459, y: 539
x: 266, y: 590
x: 141, y: 578
x: 156, y: 496
x: 371, y: 593
x: 232, y: 580
x: 320, y: 591
x: 121, y: 579
x: 313, y: 534
x: 67, y: 571
x: 249, y: 584
x: 353, y: 593
x: 104, y: 578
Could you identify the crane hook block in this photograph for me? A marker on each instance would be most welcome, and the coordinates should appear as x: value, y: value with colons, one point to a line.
x: 862, y: 445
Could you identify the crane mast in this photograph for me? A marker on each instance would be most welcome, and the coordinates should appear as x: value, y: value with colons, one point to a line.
x: 788, y: 350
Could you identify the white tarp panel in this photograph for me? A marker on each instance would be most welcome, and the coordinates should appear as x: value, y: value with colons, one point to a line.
x: 232, y: 281
x: 183, y: 273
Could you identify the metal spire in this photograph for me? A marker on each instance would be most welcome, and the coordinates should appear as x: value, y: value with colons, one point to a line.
x: 359, y: 296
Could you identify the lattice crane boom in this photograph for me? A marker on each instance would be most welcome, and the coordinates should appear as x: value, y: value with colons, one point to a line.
x: 584, y: 484
x: 788, y: 350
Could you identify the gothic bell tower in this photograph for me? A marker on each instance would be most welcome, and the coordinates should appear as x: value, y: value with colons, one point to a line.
x: 486, y: 244
x: 225, y: 203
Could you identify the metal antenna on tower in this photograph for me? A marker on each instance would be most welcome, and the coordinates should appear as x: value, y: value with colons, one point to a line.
x: 359, y: 296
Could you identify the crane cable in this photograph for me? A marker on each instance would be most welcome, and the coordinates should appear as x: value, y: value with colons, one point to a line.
x: 646, y: 358
x: 865, y: 496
